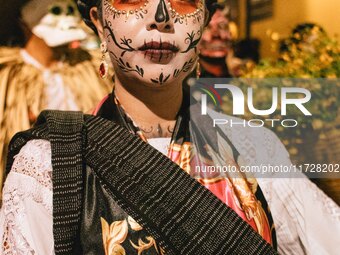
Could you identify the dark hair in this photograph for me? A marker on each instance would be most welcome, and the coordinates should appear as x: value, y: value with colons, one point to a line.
x: 84, y: 7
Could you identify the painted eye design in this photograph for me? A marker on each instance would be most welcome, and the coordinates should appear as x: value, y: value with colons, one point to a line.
x: 56, y: 10
x: 127, y: 4
x: 185, y: 6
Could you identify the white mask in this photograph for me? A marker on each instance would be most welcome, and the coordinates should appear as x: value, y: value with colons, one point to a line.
x: 59, y: 21
x: 153, y: 40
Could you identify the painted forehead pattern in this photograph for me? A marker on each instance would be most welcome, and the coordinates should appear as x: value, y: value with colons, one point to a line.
x: 178, y: 8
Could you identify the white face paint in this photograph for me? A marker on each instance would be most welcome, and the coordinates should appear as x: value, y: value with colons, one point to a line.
x: 60, y: 25
x: 154, y: 41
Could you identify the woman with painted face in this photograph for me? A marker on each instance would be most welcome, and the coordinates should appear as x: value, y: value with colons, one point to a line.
x: 128, y: 180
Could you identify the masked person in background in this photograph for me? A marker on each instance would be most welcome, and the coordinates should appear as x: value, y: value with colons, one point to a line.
x: 121, y: 182
x: 44, y: 71
x: 213, y: 49
x: 216, y: 44
x: 221, y: 54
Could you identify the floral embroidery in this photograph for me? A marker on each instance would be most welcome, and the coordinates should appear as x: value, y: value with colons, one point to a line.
x: 144, y: 246
x: 114, y: 236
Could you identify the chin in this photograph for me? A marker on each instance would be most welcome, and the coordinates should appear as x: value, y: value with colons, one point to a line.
x: 154, y: 73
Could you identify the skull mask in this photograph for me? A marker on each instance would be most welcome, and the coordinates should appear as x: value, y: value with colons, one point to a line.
x: 59, y: 21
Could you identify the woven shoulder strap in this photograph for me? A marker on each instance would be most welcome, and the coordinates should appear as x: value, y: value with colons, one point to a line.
x: 65, y: 135
x: 182, y: 215
x: 64, y: 131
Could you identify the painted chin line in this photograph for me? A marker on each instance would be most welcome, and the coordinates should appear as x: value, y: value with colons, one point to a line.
x: 158, y: 51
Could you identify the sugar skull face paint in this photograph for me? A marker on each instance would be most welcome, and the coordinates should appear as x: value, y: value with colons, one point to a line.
x: 153, y: 40
x: 176, y: 7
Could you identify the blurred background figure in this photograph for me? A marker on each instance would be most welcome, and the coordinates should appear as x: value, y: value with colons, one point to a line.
x: 42, y: 65
x: 214, y: 48
x: 222, y: 54
x: 216, y: 43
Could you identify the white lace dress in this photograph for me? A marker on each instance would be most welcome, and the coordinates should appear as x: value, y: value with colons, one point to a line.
x: 306, y: 220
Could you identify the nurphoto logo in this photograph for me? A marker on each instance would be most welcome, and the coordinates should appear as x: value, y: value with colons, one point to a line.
x: 288, y: 96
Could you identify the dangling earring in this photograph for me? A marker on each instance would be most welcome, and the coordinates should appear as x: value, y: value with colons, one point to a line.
x: 198, y: 69
x: 104, y: 67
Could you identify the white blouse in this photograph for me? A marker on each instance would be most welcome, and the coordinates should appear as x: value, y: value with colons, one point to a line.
x: 58, y: 95
x: 306, y: 220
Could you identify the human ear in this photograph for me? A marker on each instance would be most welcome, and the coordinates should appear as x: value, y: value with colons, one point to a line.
x: 97, y: 22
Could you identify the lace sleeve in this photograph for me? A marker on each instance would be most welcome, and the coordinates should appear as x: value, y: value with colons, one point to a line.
x: 26, y: 214
x: 301, y: 211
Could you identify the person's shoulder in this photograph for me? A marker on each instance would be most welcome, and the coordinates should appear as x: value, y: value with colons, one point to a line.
x: 34, y: 160
x: 35, y: 148
x: 10, y: 56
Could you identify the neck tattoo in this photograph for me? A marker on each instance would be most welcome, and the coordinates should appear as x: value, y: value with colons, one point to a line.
x: 158, y: 130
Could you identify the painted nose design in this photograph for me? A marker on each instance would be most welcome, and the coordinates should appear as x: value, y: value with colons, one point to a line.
x: 162, y: 21
x: 162, y: 14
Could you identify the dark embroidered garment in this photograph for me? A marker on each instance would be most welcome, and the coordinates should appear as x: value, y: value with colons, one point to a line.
x: 137, y: 180
x: 108, y: 229
x: 118, y: 233
x: 121, y: 231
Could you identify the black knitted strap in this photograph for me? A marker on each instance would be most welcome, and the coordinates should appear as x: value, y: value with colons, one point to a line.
x: 65, y: 135
x: 182, y: 215
x: 64, y: 131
